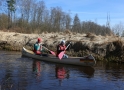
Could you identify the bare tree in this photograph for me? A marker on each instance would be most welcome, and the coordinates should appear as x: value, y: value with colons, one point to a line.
x: 46, y: 20
x: 33, y: 16
x: 3, y: 21
x: 26, y: 9
x: 68, y: 21
x: 122, y: 33
x: 55, y: 18
x: 40, y: 10
x: 118, y: 29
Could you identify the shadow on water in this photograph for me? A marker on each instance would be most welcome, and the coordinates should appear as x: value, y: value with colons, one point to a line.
x: 113, y: 71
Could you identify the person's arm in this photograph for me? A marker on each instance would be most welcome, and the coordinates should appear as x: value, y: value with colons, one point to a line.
x: 41, y: 48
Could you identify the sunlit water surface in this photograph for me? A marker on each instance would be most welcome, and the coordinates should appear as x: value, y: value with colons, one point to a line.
x: 22, y: 73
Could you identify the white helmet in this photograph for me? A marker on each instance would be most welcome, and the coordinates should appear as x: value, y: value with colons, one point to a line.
x: 63, y: 41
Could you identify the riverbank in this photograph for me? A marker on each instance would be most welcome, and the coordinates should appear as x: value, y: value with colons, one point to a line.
x: 102, y: 47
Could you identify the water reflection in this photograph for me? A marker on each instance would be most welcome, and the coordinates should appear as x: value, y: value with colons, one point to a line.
x: 114, y: 70
x: 20, y: 73
x: 61, y: 73
x: 88, y: 71
x: 36, y: 68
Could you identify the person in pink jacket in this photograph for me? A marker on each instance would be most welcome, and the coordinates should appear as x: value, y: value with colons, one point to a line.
x: 61, y: 47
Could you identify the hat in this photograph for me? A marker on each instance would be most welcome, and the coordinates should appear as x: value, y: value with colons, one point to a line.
x: 39, y: 40
x: 63, y: 42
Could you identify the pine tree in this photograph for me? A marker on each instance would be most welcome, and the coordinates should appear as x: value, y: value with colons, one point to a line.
x: 76, y: 24
x: 11, y: 9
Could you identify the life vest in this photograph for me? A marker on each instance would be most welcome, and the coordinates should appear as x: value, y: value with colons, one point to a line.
x: 60, y: 48
x: 37, y: 48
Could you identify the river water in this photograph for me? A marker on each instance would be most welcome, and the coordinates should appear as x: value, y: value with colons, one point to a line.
x: 22, y: 73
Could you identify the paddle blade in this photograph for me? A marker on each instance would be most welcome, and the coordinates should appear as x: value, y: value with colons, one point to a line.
x: 53, y: 53
x: 61, y: 55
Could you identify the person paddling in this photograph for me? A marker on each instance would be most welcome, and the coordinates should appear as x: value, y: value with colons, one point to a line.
x: 61, y: 47
x: 38, y: 47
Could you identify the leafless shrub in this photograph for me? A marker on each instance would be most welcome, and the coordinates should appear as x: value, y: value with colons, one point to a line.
x: 67, y: 31
x: 90, y: 35
x: 54, y: 36
x: 16, y: 34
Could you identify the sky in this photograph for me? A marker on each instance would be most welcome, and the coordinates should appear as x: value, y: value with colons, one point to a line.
x: 92, y: 10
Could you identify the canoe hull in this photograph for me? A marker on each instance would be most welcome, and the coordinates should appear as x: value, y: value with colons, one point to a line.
x: 84, y: 61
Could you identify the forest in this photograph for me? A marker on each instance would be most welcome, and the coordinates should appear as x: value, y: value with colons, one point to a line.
x: 31, y: 16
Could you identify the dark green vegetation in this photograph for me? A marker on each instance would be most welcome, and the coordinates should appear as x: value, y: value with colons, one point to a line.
x: 112, y: 52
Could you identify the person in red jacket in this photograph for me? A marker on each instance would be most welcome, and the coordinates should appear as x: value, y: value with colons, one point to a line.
x: 61, y: 47
x: 38, y: 47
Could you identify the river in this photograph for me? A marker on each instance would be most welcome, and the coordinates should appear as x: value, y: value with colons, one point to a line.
x: 22, y: 73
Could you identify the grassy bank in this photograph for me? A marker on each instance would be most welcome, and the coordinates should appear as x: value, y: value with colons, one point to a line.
x: 106, y: 48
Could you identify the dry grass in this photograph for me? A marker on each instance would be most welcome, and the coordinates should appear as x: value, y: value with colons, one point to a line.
x: 67, y: 32
x: 82, y: 44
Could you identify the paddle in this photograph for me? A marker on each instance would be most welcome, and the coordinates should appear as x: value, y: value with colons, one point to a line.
x: 53, y: 53
x: 62, y: 53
